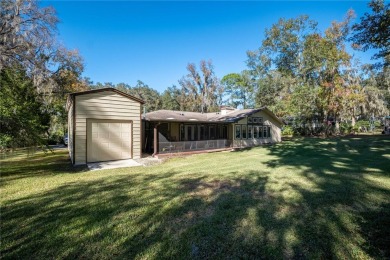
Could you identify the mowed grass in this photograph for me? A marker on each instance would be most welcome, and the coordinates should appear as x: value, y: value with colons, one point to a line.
x: 303, y: 198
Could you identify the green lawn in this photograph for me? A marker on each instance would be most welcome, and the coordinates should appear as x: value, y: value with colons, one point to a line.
x: 304, y: 198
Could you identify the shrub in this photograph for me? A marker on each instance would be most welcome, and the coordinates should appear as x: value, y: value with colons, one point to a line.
x: 364, y: 126
x: 345, y: 128
x: 287, y: 131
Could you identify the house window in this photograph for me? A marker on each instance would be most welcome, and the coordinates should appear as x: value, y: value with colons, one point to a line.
x: 265, y: 135
x: 260, y: 132
x: 255, y: 121
x: 255, y: 132
x: 260, y: 120
x: 250, y: 132
x: 250, y: 120
x: 238, y: 131
x: 244, y: 131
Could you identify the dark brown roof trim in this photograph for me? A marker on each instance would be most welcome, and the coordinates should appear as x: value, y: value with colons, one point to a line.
x: 108, y: 89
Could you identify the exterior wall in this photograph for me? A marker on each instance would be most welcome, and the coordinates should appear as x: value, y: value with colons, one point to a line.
x: 230, y: 131
x: 70, y: 131
x: 104, y: 105
x: 175, y: 131
x: 275, y: 129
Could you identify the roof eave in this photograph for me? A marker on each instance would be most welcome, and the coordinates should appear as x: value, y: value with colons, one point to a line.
x: 184, y: 121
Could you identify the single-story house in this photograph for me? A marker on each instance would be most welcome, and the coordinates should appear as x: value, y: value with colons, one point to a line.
x: 107, y: 124
x: 103, y: 125
x: 167, y: 131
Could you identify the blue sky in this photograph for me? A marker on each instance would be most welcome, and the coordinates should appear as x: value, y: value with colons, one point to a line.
x: 126, y: 41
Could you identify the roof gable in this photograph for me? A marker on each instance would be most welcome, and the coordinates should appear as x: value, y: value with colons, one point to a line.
x: 108, y: 89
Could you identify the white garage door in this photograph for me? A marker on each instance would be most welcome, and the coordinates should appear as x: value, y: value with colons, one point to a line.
x: 108, y: 140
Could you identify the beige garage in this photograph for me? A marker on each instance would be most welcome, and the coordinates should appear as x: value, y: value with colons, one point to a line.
x: 104, y: 125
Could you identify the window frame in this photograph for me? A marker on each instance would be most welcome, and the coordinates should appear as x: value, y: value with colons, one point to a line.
x: 242, y: 131
x: 237, y: 127
x: 250, y: 132
x: 265, y: 132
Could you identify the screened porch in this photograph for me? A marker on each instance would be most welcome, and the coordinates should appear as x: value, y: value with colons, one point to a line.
x: 187, y: 146
x: 174, y: 137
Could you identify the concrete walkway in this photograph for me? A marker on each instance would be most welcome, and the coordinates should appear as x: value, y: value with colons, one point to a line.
x: 112, y: 164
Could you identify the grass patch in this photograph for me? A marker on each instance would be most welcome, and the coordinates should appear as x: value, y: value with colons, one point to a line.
x: 303, y: 198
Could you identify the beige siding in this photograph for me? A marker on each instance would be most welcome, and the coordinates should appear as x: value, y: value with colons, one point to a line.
x: 105, y: 105
x: 175, y: 131
x: 276, y: 134
x: 70, y: 131
x: 230, y: 131
x: 275, y: 128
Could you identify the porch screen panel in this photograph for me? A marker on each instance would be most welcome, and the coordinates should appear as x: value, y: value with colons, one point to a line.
x: 196, y: 134
x: 201, y: 131
x: 224, y: 131
x: 212, y: 132
x: 255, y: 132
x: 164, y: 130
x: 206, y: 132
x: 182, y: 133
x: 189, y: 133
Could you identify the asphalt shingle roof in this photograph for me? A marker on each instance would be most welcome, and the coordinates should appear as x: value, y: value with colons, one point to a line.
x: 218, y: 117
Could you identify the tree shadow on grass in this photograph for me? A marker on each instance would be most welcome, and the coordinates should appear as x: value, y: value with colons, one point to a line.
x: 77, y: 219
x: 126, y: 218
x: 38, y: 165
x: 349, y: 202
x: 182, y: 216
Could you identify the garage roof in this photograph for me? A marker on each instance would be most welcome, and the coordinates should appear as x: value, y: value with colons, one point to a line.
x: 108, y: 89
